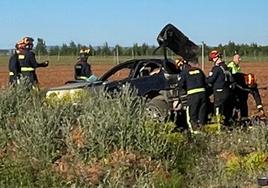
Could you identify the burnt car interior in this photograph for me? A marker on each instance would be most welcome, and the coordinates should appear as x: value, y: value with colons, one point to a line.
x: 147, y: 68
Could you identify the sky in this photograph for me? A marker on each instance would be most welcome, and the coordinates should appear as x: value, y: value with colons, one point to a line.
x: 126, y: 22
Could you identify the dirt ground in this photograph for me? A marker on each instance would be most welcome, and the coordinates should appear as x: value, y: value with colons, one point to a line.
x: 56, y: 75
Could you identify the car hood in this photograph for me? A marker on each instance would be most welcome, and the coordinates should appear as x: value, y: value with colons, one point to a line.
x: 172, y: 38
x: 70, y: 89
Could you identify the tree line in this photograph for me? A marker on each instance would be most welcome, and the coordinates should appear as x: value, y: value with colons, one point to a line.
x: 72, y: 49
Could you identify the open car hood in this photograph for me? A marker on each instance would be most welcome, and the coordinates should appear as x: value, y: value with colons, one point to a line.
x: 172, y: 38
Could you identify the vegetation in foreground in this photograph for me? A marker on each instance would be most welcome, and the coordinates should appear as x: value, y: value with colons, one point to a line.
x: 94, y: 140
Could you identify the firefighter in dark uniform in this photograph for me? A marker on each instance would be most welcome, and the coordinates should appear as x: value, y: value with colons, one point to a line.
x: 193, y: 80
x: 246, y: 83
x: 221, y: 81
x: 181, y: 65
x: 82, y: 67
x: 27, y: 61
x: 14, y: 66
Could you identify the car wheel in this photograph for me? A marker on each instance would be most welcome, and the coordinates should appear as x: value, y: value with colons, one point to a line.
x: 158, y: 109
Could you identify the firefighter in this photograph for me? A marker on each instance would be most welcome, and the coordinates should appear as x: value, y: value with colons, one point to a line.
x: 221, y: 81
x: 182, y: 65
x: 83, y: 68
x: 252, y: 85
x: 27, y: 61
x: 246, y: 83
x: 14, y: 66
x: 193, y: 80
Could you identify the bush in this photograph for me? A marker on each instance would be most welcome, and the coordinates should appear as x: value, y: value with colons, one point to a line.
x: 102, y: 140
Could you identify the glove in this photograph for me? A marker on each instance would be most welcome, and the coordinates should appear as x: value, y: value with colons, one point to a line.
x: 233, y: 85
x: 261, y: 111
x: 260, y: 108
x: 45, y: 63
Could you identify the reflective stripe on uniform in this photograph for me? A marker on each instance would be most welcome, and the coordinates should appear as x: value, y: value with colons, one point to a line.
x: 218, y: 115
x: 217, y: 111
x: 188, y: 119
x: 196, y: 90
x: 82, y: 77
x: 194, y: 72
x: 27, y: 69
x: 11, y: 74
x: 21, y: 56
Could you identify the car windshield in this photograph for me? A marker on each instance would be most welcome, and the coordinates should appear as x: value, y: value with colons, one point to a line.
x: 119, y: 74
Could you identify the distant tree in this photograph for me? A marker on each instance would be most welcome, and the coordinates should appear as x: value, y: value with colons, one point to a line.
x: 106, y: 50
x: 120, y: 49
x: 64, y: 49
x: 137, y: 50
x: 98, y: 51
x: 72, y: 49
x: 78, y: 48
x: 93, y: 52
x: 54, y: 50
x: 144, y: 49
x: 41, y: 48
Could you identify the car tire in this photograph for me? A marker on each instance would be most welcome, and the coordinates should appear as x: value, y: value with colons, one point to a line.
x: 158, y: 109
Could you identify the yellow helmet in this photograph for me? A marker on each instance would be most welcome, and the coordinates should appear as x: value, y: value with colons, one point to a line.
x: 179, y: 62
x: 25, y: 43
x: 84, y: 51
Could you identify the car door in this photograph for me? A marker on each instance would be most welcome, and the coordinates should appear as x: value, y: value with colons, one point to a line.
x: 143, y: 79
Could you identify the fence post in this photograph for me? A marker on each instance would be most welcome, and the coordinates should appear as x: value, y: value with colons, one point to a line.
x: 203, y: 56
x: 117, y: 55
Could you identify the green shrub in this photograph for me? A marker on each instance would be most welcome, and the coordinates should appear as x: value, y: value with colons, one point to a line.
x: 95, y: 139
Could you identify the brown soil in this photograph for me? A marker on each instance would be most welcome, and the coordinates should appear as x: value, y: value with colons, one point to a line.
x: 56, y: 75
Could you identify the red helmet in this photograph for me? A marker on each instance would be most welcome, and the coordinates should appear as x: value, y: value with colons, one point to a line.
x: 250, y: 79
x: 214, y: 54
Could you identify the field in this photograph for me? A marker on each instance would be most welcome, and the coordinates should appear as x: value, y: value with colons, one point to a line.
x: 61, y: 70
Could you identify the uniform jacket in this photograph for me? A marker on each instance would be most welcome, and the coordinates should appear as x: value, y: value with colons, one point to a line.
x: 28, y: 65
x: 82, y: 70
x: 220, y: 77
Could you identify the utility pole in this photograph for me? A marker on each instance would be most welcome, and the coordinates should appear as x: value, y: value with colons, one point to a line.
x: 58, y: 59
x: 132, y: 53
x: 203, y: 56
x: 224, y: 55
x: 117, y: 55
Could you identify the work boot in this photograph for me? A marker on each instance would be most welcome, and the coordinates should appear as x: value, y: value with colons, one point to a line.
x: 245, y: 122
x: 195, y: 129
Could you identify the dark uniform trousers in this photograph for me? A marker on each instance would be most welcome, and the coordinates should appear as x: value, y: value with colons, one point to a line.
x: 243, y: 98
x: 242, y: 103
x: 197, y: 108
x: 223, y: 103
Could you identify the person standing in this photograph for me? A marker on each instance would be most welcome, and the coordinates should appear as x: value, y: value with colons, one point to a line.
x: 245, y: 84
x: 27, y: 61
x: 234, y: 66
x: 193, y: 80
x: 14, y: 66
x: 220, y: 79
x: 82, y: 69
